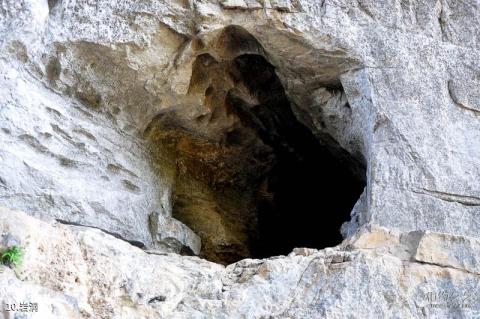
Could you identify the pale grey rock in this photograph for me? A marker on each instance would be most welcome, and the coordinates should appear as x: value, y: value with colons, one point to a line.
x: 234, y: 4
x: 48, y: 303
x: 80, y: 81
x: 173, y: 234
x: 100, y: 275
x: 449, y: 251
x: 84, y: 272
x: 60, y: 160
x: 358, y: 216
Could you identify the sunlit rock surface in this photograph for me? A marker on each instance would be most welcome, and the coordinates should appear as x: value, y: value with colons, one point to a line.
x: 390, y: 89
x: 74, y: 272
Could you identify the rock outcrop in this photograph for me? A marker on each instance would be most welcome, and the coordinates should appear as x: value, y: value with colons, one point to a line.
x: 135, y: 133
x: 75, y: 272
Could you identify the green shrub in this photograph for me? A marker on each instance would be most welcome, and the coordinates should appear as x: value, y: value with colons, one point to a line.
x: 12, y: 256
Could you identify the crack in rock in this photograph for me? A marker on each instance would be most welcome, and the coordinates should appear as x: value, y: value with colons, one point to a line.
x: 135, y: 243
x: 450, y: 197
x: 458, y: 101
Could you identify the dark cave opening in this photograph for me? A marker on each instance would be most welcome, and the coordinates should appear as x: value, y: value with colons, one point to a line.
x: 249, y: 178
x: 309, y: 192
x: 312, y: 197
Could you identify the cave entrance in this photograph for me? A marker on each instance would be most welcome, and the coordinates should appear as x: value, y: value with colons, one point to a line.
x: 309, y: 192
x: 250, y: 179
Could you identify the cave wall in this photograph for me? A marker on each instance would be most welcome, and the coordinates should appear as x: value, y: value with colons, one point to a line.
x: 246, y: 170
x: 407, y: 70
x: 62, y: 161
x: 410, y: 167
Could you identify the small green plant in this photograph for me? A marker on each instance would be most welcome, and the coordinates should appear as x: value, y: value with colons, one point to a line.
x: 12, y: 256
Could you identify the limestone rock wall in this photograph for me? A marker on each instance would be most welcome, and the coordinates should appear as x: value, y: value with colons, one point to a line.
x: 80, y: 81
x: 61, y: 161
x: 377, y: 273
x: 408, y: 72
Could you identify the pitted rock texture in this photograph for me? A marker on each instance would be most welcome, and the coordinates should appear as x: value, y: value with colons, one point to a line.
x: 79, y: 272
x: 408, y: 71
x: 392, y: 84
x: 61, y: 161
x: 238, y: 159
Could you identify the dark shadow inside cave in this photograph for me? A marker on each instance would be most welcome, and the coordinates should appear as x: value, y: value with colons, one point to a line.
x: 249, y: 178
x: 309, y: 192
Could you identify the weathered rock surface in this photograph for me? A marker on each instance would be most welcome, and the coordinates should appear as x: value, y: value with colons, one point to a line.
x: 75, y: 272
x: 409, y: 73
x: 61, y: 161
x: 390, y: 86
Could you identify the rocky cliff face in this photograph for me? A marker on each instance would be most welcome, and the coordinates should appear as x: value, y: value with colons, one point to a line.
x: 135, y: 133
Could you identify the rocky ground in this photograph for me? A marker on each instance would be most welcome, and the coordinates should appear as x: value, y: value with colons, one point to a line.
x: 80, y: 272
